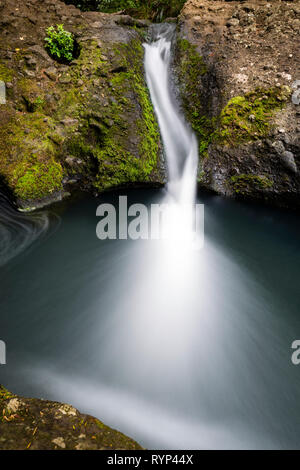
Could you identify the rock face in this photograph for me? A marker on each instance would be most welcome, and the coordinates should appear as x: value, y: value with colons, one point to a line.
x: 238, y: 68
x: 90, y: 124
x: 29, y: 423
x: 87, y: 125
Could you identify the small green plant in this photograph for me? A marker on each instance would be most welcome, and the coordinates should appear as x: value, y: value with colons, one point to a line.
x: 60, y: 43
x: 38, y: 103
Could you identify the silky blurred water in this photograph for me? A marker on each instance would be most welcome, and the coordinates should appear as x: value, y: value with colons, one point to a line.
x: 175, y: 354
x: 175, y: 346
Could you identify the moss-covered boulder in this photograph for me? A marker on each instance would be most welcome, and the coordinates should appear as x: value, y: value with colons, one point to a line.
x: 30, y: 423
x: 89, y: 124
x: 237, y: 68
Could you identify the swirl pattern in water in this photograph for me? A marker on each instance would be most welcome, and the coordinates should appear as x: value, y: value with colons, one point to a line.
x: 18, y: 230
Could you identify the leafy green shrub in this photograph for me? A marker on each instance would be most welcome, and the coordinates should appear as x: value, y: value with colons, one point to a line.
x: 60, y: 43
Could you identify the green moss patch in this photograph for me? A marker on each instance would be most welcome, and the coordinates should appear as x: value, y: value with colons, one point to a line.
x: 27, y: 156
x: 192, y: 69
x: 243, y: 119
x: 6, y: 74
x: 248, y: 117
x: 116, y: 167
x: 118, y: 164
x: 38, y: 180
x: 192, y: 64
x: 119, y: 140
x: 94, y: 121
x: 243, y: 183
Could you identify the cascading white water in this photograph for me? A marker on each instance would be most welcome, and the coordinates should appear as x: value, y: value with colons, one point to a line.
x: 180, y: 143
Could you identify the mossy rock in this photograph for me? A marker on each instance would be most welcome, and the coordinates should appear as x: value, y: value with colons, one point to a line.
x: 244, y: 183
x: 6, y: 74
x: 120, y: 163
x: 31, y: 423
x: 28, y: 156
x: 244, y: 118
x: 192, y: 69
x: 249, y: 117
x: 98, y: 111
x: 37, y: 180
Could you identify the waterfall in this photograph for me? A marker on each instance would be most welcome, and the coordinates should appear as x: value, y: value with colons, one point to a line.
x: 180, y: 143
x: 156, y: 313
x: 176, y: 347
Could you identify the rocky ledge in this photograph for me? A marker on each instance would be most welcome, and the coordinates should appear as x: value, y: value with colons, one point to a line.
x: 29, y: 423
x: 88, y: 124
x: 239, y: 78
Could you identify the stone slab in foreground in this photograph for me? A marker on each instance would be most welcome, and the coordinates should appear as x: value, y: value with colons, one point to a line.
x: 30, y: 423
